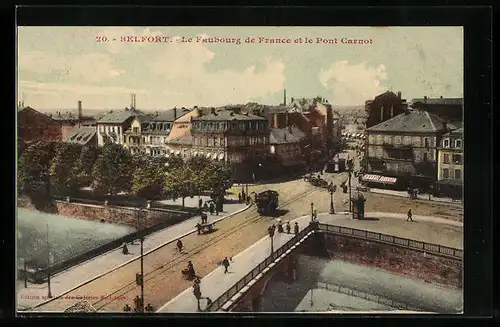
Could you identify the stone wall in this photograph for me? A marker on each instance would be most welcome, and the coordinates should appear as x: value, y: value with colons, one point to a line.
x: 107, y: 214
x: 411, y: 263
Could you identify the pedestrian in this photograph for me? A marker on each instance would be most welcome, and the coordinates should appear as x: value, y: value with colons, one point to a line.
x: 239, y: 197
x: 200, y: 202
x: 198, y: 228
x: 315, y: 214
x: 127, y: 308
x: 280, y: 227
x: 125, y: 248
x: 225, y: 263
x: 191, y: 270
x: 288, y: 227
x: 149, y: 308
x: 179, y: 245
x: 296, y: 228
x: 216, y: 210
x: 409, y: 218
x: 248, y: 200
x: 211, y: 208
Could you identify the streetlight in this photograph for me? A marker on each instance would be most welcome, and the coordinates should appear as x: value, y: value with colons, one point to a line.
x: 349, y: 169
x: 332, y: 209
x: 49, y: 294
x: 140, y: 277
x: 312, y: 211
x: 270, y: 231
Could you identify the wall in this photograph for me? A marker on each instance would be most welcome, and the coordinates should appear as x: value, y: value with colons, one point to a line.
x: 110, y: 214
x: 397, y: 260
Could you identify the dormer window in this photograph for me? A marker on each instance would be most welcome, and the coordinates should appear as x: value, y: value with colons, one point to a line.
x: 458, y: 144
x: 446, y: 143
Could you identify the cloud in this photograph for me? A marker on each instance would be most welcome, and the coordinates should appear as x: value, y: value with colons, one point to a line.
x: 38, y: 87
x: 92, y: 67
x: 184, y: 67
x: 347, y: 83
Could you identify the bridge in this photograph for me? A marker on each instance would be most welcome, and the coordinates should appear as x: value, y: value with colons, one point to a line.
x: 435, y: 262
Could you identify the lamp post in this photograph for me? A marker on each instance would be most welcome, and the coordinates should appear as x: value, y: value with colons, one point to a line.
x: 349, y: 169
x: 49, y: 293
x: 140, y: 277
x: 270, y: 231
x: 332, y: 209
x: 312, y: 211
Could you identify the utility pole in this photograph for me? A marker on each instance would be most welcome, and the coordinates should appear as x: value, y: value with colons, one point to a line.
x: 142, y: 273
x: 49, y: 295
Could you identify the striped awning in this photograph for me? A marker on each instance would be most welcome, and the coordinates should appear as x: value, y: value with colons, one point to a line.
x: 379, y: 179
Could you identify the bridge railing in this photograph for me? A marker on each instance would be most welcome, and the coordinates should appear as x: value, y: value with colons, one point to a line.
x: 226, y: 296
x: 404, y: 242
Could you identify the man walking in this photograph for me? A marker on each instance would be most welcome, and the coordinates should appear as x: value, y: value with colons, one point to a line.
x: 409, y: 218
x: 225, y: 263
x: 179, y: 245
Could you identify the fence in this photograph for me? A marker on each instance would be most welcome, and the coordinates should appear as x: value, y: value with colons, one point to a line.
x: 402, y: 242
x: 226, y: 296
x: 379, y: 237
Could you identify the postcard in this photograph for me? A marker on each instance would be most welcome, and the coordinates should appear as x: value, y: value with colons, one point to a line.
x: 239, y: 169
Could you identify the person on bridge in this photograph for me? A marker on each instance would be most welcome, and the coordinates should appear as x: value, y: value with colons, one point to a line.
x: 288, y: 227
x: 225, y: 263
x: 409, y: 216
x: 296, y: 228
x: 179, y: 245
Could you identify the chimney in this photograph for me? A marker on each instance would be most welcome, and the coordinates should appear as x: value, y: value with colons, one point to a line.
x: 399, y: 95
x: 382, y: 113
x: 441, y: 97
x: 425, y: 98
x: 392, y: 111
x: 284, y: 97
x: 175, y: 113
x: 131, y: 101
x: 212, y: 111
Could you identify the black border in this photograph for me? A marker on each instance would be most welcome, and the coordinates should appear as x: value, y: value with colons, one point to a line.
x: 478, y: 113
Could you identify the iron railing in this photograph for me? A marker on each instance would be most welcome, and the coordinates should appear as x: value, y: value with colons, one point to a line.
x: 226, y: 296
x: 399, y: 241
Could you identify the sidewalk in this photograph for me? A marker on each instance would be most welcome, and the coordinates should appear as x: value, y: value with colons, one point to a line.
x: 404, y: 194
x: 100, y: 265
x: 216, y: 283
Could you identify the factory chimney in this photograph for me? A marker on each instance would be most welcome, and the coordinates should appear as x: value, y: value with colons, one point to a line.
x: 80, y: 113
x: 284, y: 97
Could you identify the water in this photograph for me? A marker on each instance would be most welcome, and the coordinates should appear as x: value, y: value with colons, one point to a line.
x: 67, y: 236
x: 327, y: 285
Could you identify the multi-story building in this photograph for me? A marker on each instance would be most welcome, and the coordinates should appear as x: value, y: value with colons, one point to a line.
x: 179, y: 140
x: 148, y: 134
x: 450, y: 164
x: 449, y: 109
x: 383, y: 107
x: 287, y: 146
x: 112, y: 126
x: 69, y: 121
x: 33, y: 126
x: 402, y: 151
x: 86, y: 136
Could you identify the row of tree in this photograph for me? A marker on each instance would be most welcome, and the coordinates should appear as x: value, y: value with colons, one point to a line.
x: 47, y: 168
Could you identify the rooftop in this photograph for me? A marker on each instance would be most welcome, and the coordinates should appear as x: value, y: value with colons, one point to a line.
x: 286, y: 135
x: 411, y: 121
x: 81, y: 135
x: 227, y: 115
x: 456, y: 132
x: 170, y: 115
x: 118, y: 117
x: 439, y: 101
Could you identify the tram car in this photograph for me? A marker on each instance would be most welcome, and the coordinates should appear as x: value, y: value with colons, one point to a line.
x: 267, y: 202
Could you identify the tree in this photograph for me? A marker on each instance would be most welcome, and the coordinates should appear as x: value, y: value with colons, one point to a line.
x: 33, y: 168
x: 218, y: 178
x: 62, y: 167
x: 82, y: 170
x: 148, y: 178
x: 174, y: 162
x: 181, y: 182
x: 113, y: 169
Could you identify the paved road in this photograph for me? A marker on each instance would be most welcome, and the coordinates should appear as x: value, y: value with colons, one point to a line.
x: 216, y: 283
x: 91, y: 269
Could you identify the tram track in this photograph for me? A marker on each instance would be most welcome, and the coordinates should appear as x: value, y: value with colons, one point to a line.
x: 156, y: 272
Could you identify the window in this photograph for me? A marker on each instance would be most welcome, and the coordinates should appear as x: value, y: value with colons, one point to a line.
x: 426, y: 157
x: 457, y: 159
x: 215, y: 141
x: 135, y: 130
x: 221, y: 141
x: 446, y: 143
x: 426, y: 142
x: 397, y: 139
x: 458, y: 174
x: 446, y: 158
x: 446, y: 173
x: 458, y: 144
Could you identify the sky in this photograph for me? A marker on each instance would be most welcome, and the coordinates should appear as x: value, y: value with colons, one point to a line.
x: 57, y: 66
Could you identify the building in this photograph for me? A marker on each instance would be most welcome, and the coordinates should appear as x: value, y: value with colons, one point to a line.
x: 111, y: 127
x: 403, y: 150
x: 33, y: 126
x: 287, y: 146
x: 449, y: 109
x: 450, y: 164
x: 238, y: 139
x: 383, y: 107
x: 69, y: 121
x: 86, y: 136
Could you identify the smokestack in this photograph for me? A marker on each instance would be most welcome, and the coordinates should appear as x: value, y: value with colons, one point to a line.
x: 284, y: 97
x: 80, y: 113
x: 175, y: 113
x: 399, y: 95
x: 131, y: 101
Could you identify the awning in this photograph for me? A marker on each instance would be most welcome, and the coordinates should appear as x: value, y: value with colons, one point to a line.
x: 208, y: 155
x: 379, y: 179
x: 214, y: 157
x: 221, y: 156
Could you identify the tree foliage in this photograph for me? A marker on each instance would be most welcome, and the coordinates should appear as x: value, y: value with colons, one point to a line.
x: 82, y: 170
x: 113, y: 169
x: 33, y: 167
x: 149, y: 177
x: 62, y: 167
x: 181, y: 182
